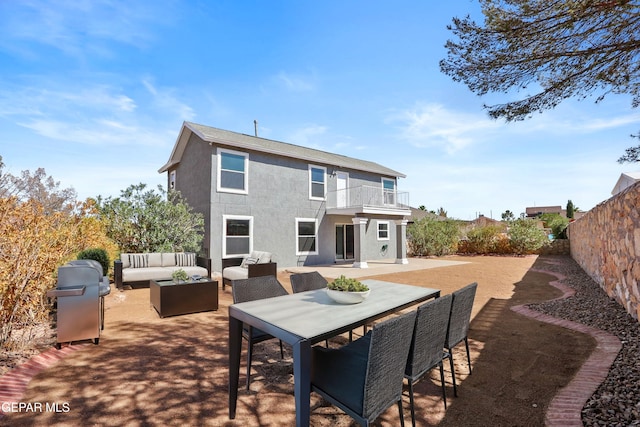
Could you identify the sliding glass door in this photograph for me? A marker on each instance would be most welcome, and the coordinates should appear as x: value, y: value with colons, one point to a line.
x: 344, y: 242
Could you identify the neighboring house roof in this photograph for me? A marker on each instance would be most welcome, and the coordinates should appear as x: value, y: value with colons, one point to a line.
x: 484, y: 221
x: 248, y: 142
x: 537, y: 210
x: 626, y: 179
x: 418, y: 214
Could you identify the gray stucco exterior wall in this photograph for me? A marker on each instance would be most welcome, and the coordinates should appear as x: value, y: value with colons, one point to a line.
x: 278, y: 193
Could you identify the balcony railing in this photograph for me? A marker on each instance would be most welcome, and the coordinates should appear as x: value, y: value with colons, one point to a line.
x: 367, y: 198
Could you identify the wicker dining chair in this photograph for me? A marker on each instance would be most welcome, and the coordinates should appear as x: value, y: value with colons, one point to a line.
x: 458, y: 328
x: 301, y: 282
x: 365, y: 377
x: 427, y: 343
x: 252, y: 289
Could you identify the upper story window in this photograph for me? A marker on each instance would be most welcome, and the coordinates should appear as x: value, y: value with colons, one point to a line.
x: 317, y: 182
x: 388, y: 191
x: 172, y: 180
x: 233, y: 171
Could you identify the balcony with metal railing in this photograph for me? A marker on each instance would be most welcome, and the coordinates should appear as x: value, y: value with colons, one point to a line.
x: 367, y: 199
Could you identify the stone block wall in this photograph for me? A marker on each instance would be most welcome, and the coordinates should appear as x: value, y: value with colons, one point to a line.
x: 606, y: 244
x: 557, y: 247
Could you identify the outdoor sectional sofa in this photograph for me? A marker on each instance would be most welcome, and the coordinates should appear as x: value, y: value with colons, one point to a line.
x: 141, y: 268
x: 255, y: 265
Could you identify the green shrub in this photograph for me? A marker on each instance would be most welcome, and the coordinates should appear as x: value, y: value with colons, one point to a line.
x: 97, y: 254
x: 429, y: 236
x: 526, y: 237
x: 558, y: 227
x: 484, y: 240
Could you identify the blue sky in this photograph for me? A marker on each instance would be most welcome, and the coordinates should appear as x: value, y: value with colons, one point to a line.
x: 95, y: 92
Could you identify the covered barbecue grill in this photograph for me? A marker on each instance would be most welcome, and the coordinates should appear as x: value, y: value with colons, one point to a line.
x: 79, y: 314
x: 104, y: 288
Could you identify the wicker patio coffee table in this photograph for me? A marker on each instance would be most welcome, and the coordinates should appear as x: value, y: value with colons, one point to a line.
x: 173, y: 299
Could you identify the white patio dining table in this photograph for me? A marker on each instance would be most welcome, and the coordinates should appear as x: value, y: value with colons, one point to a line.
x: 306, y: 318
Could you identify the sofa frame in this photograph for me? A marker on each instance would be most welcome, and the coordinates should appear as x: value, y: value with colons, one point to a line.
x: 253, y: 270
x: 117, y: 273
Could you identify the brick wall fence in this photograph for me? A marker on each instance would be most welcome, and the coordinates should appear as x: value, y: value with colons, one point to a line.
x: 606, y: 244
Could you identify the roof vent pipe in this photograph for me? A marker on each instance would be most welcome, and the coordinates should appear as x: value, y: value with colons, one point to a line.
x: 255, y: 127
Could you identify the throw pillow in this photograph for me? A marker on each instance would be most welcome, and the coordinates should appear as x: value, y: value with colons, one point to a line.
x: 249, y: 260
x: 139, y: 260
x: 185, y: 259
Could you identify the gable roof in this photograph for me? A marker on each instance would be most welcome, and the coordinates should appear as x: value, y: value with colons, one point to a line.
x: 253, y: 143
x: 626, y: 180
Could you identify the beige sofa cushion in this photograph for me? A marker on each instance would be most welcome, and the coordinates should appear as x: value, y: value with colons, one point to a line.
x: 262, y: 256
x: 235, y: 273
x: 124, y: 258
x: 149, y: 273
x: 168, y: 259
x: 154, y: 260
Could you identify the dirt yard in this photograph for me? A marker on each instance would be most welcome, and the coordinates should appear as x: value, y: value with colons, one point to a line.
x: 173, y: 371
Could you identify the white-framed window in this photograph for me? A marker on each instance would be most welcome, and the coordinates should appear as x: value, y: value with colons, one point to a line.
x: 388, y: 191
x: 306, y: 236
x: 383, y: 230
x: 237, y: 235
x: 233, y: 171
x: 172, y: 180
x: 317, y: 182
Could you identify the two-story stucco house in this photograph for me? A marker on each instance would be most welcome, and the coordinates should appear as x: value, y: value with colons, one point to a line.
x: 305, y: 206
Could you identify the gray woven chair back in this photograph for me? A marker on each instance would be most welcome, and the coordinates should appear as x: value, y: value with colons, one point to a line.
x: 256, y: 288
x: 460, y: 314
x: 388, y: 351
x: 428, y: 336
x: 302, y: 282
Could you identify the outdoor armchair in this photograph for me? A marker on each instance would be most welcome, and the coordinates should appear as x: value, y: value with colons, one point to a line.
x: 365, y: 377
x: 427, y: 343
x: 252, y: 289
x: 458, y: 328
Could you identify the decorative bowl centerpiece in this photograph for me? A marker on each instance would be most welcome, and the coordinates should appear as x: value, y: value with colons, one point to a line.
x: 347, y: 291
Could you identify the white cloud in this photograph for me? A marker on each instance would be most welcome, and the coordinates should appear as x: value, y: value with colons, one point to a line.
x: 295, y: 83
x: 76, y: 27
x: 166, y: 100
x: 307, y: 136
x: 432, y: 125
x: 94, y: 115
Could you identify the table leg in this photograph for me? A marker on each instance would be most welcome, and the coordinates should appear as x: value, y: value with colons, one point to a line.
x: 235, y: 347
x: 302, y: 381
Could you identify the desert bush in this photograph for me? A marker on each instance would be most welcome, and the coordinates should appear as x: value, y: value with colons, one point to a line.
x: 142, y: 220
x: 34, y: 242
x: 429, y: 236
x: 526, y: 237
x: 482, y: 240
x: 41, y: 227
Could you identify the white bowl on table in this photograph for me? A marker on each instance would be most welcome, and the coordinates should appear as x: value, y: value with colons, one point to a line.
x: 345, y: 297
